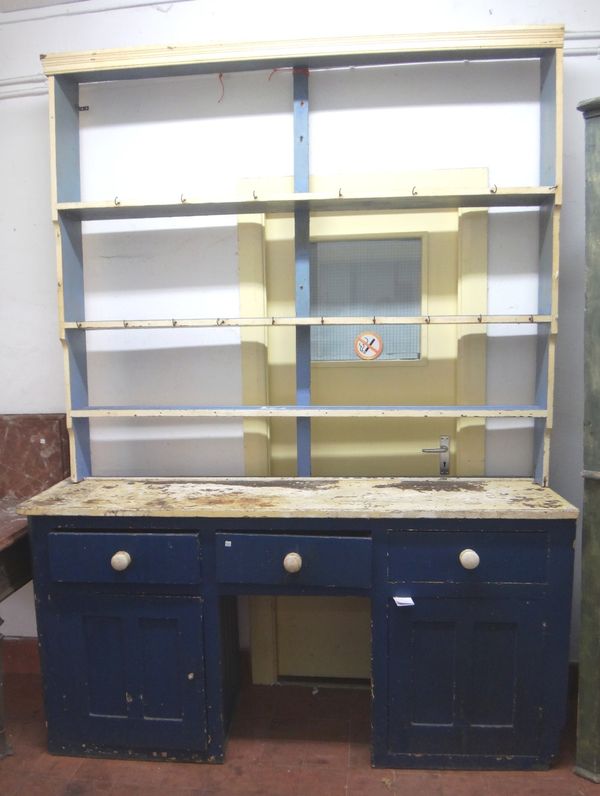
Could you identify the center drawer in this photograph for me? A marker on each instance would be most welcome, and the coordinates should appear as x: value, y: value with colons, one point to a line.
x: 95, y: 557
x: 278, y: 559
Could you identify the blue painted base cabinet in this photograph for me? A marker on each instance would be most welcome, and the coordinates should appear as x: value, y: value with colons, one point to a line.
x: 469, y: 665
x: 472, y: 670
x: 124, y: 652
x: 474, y: 674
x: 128, y: 674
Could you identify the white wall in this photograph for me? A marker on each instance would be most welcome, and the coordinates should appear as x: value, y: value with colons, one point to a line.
x: 139, y: 120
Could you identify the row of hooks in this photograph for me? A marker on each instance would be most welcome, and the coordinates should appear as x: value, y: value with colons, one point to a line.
x: 493, y: 189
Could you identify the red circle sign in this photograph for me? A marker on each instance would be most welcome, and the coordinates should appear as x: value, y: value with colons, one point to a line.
x: 368, y: 345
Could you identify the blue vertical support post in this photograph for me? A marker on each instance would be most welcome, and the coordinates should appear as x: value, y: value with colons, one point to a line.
x: 302, y: 265
x: 64, y: 120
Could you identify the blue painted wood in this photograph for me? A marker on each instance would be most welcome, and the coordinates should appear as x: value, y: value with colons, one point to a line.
x: 117, y: 663
x: 230, y: 660
x: 433, y: 556
x: 548, y: 119
x: 461, y: 677
x: 132, y: 676
x: 66, y: 116
x: 74, y: 307
x: 301, y: 130
x: 83, y: 450
x: 78, y: 371
x: 72, y: 268
x: 221, y: 654
x: 473, y: 676
x: 333, y: 561
x: 155, y: 558
x: 307, y: 526
x: 302, y: 268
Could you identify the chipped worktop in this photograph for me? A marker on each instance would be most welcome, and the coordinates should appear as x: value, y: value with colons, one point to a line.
x: 343, y: 498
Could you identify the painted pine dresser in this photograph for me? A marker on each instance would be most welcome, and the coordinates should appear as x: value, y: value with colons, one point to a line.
x: 469, y: 579
x: 469, y: 582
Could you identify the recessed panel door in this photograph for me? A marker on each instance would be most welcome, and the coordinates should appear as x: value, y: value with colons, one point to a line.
x: 135, y: 674
x: 461, y: 676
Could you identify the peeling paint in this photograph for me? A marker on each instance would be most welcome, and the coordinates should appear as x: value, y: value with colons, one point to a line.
x: 435, y: 486
x: 362, y: 498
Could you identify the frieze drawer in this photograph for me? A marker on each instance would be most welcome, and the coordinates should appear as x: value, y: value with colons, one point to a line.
x: 124, y: 557
x: 467, y: 557
x: 294, y: 560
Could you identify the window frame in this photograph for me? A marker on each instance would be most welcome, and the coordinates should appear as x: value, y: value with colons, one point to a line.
x: 423, y: 236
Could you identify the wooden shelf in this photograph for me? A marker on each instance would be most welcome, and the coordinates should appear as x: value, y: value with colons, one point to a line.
x: 360, y: 320
x: 116, y: 208
x: 142, y: 62
x: 311, y: 411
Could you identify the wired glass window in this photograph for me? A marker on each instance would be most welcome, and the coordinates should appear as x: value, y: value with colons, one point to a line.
x: 365, y: 277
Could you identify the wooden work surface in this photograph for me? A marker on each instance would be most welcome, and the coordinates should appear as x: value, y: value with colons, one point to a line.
x: 362, y: 498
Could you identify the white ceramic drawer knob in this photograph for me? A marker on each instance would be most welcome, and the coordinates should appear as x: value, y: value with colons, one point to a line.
x: 469, y: 559
x: 292, y: 562
x: 121, y: 560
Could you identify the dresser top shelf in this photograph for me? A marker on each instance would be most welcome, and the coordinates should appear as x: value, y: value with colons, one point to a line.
x: 342, y: 498
x: 177, y: 59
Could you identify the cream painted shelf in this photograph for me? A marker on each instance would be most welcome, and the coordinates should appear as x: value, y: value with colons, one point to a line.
x: 370, y: 320
x: 311, y: 411
x: 118, y: 208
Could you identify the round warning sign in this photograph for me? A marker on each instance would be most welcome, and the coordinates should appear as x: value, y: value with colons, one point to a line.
x: 368, y: 345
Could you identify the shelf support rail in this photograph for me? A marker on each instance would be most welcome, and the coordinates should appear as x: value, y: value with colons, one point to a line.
x: 302, y: 267
x: 65, y: 183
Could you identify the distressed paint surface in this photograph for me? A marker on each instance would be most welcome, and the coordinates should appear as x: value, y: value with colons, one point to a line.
x: 508, y: 667
x: 366, y: 498
x: 588, y: 729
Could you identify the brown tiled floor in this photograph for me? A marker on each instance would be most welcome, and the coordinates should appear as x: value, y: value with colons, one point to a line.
x: 285, y: 741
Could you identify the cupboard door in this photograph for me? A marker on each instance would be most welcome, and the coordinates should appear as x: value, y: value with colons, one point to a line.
x: 125, y: 671
x: 464, y: 677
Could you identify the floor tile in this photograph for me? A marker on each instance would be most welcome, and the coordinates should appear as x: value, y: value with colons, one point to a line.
x: 11, y: 779
x: 312, y: 781
x: 464, y: 783
x: 254, y: 781
x: 372, y: 782
x: 244, y: 750
x: 359, y: 755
